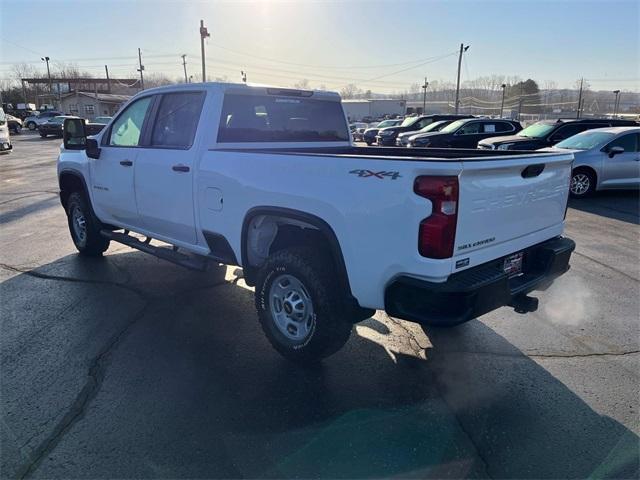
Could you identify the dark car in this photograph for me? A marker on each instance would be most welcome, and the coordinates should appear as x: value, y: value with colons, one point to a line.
x: 387, y: 136
x: 465, y: 133
x: 53, y: 126
x: 549, y: 132
x: 369, y: 135
x: 402, y: 140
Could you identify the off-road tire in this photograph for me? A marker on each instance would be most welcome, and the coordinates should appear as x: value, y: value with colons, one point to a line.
x: 331, y: 327
x: 93, y: 244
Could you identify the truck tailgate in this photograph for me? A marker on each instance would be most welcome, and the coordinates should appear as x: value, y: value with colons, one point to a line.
x: 505, y: 199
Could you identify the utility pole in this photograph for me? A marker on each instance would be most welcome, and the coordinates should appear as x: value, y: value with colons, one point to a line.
x: 244, y: 76
x: 184, y: 65
x: 462, y: 50
x: 503, y: 86
x: 106, y: 71
x: 615, y: 103
x: 141, y: 69
x: 580, y: 98
x: 46, y: 59
x: 424, y: 95
x: 204, y: 33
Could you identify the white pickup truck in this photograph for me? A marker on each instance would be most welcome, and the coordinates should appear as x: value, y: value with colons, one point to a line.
x: 267, y: 179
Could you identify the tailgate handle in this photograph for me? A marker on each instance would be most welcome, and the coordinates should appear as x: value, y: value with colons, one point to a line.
x: 533, y: 170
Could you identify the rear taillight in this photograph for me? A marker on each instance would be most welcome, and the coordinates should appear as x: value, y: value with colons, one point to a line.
x: 438, y: 231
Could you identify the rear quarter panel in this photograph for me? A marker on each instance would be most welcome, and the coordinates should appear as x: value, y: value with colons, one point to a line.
x: 374, y: 217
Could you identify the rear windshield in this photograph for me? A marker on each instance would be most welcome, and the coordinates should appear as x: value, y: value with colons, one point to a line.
x: 271, y: 118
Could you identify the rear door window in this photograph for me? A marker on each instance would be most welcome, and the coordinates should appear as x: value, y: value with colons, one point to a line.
x: 177, y: 120
x: 273, y: 118
x: 504, y: 127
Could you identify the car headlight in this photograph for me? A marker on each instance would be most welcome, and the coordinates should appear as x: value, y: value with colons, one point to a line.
x: 505, y: 146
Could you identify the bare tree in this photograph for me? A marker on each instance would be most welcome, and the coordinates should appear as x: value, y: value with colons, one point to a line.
x: 302, y: 84
x: 350, y: 91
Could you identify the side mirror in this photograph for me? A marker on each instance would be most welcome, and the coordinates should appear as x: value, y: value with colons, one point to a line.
x: 73, y: 135
x: 613, y: 151
x: 93, y: 150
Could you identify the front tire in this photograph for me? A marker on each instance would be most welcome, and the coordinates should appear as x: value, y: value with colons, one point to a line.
x: 583, y: 183
x: 31, y: 126
x: 299, y: 307
x: 43, y: 135
x: 84, y: 227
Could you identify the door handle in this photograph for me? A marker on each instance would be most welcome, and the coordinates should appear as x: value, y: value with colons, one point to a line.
x: 180, y: 168
x: 126, y: 163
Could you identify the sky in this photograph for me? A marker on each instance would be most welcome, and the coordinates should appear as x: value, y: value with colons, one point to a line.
x: 383, y: 46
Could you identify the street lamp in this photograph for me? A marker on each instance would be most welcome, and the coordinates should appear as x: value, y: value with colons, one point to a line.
x: 503, y: 87
x: 615, y: 103
x: 46, y: 59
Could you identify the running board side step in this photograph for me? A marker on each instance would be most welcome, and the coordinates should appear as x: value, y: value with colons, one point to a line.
x: 170, y: 254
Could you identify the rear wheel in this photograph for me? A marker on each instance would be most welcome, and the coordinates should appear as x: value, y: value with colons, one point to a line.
x: 300, y: 309
x: 583, y: 183
x: 84, y: 227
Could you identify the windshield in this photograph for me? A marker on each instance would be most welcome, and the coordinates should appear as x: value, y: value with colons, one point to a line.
x: 387, y: 123
x: 409, y: 121
x: 537, y: 130
x: 585, y: 140
x: 433, y: 127
x: 452, y: 127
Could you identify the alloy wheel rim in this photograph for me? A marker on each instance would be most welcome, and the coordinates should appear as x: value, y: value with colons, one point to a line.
x: 291, y: 307
x: 580, y: 184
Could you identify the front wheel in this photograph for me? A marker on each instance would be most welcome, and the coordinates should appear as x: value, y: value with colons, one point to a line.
x: 84, y: 227
x: 583, y: 183
x: 31, y: 126
x: 43, y: 135
x: 299, y: 307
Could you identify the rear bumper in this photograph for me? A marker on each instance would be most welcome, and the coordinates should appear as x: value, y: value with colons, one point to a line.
x: 478, y: 290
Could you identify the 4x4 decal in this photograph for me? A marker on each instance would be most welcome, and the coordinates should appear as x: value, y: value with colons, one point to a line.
x: 380, y: 175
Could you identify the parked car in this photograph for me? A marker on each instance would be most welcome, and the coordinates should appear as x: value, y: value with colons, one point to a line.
x: 369, y: 135
x: 5, y: 140
x: 402, y: 140
x: 32, y: 122
x: 53, y: 126
x: 102, y: 120
x: 14, y: 123
x: 307, y: 248
x: 547, y: 133
x: 465, y: 133
x: 604, y: 158
x: 387, y: 136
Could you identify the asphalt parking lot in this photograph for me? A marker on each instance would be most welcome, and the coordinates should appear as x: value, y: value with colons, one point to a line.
x: 128, y: 366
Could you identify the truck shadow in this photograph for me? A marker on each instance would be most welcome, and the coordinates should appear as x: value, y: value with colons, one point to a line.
x: 190, y: 387
x: 623, y: 205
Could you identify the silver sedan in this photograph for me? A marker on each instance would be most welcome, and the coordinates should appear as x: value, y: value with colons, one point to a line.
x: 605, y: 158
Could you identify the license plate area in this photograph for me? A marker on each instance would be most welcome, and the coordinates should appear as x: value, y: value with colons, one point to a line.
x: 512, y: 265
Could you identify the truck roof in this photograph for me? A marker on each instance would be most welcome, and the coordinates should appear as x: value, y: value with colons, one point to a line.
x: 243, y: 87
